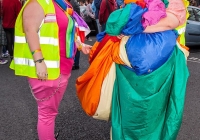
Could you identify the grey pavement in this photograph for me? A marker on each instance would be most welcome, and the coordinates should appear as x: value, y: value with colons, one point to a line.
x: 18, y: 111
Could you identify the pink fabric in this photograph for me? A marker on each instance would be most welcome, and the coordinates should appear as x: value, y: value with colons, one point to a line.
x: 156, y: 11
x: 48, y: 109
x: 65, y: 63
x: 177, y: 8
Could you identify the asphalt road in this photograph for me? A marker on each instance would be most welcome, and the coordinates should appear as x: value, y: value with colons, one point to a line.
x: 18, y: 111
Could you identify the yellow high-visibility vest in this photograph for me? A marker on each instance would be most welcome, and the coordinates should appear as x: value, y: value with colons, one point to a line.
x: 23, y: 63
x: 181, y: 28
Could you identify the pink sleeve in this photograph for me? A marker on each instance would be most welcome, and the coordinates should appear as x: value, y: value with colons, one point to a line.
x: 177, y: 8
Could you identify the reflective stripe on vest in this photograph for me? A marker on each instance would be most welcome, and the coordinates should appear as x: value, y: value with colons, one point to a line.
x: 43, y: 40
x: 30, y: 62
x: 50, y: 18
x: 181, y: 30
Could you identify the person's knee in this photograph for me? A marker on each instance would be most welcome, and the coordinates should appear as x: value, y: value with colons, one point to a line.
x: 46, y: 117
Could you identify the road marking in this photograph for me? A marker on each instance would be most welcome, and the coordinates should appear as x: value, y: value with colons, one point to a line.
x: 194, y: 59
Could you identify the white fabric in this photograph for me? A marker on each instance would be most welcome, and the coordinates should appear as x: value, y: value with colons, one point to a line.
x: 123, y: 54
x: 104, y: 107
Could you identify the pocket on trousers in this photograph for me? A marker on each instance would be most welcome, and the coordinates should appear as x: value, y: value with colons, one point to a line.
x: 43, y: 89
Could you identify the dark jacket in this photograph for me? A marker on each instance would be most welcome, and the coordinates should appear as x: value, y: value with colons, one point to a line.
x: 75, y: 6
x: 107, y: 7
x: 97, y: 4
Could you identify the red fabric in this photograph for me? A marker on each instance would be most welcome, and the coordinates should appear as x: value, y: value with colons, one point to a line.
x: 102, y: 44
x: 104, y: 12
x: 81, y: 34
x: 141, y: 3
x: 10, y: 11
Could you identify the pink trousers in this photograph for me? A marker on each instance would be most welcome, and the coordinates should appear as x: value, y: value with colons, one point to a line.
x: 48, y: 95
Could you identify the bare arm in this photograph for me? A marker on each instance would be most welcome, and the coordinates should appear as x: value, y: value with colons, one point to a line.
x: 168, y: 23
x: 176, y: 15
x: 32, y: 17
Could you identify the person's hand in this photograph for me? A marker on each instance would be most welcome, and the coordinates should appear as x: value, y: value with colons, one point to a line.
x: 86, y: 48
x: 41, y: 70
x: 120, y: 36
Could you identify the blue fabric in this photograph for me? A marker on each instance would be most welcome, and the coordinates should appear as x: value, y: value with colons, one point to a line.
x: 97, y: 4
x: 119, y: 3
x: 62, y: 4
x: 134, y: 24
x: 77, y: 58
x: 147, y: 52
x: 100, y: 36
x: 126, y: 20
x: 93, y: 7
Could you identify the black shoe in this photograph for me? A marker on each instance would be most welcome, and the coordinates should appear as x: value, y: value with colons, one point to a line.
x: 75, y: 67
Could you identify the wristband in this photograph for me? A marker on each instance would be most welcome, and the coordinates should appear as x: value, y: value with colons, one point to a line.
x: 38, y: 50
x: 39, y: 60
x: 80, y: 47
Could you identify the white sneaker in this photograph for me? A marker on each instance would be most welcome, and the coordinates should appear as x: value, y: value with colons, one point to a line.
x: 89, y: 39
x: 5, y: 55
x: 3, y: 61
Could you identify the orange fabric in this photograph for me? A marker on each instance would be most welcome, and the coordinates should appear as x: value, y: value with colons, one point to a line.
x: 93, y: 50
x: 115, y: 54
x: 183, y: 46
x: 129, y: 1
x: 98, y: 47
x: 88, y: 85
x: 70, y: 11
x: 139, y: 2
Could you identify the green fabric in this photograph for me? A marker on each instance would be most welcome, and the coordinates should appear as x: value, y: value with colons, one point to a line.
x: 149, y: 107
x: 166, y: 2
x: 69, y: 35
x: 117, y: 20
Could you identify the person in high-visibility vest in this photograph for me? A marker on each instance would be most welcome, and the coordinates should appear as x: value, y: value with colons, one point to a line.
x: 47, y: 35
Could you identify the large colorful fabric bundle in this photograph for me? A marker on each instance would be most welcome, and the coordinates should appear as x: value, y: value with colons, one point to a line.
x: 140, y: 79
